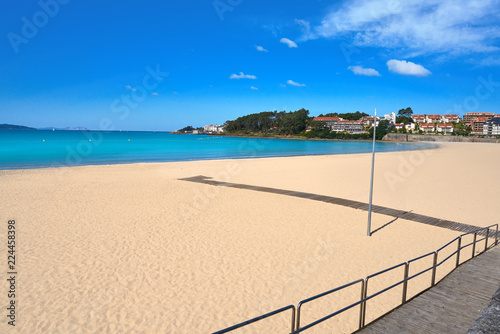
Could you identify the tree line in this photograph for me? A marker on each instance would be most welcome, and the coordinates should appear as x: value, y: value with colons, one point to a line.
x: 282, y: 122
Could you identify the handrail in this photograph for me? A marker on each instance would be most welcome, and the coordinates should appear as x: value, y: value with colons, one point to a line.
x: 385, y: 270
x: 366, y: 298
x: 364, y: 282
x: 449, y: 243
x: 327, y: 293
x: 312, y: 324
x: 267, y: 315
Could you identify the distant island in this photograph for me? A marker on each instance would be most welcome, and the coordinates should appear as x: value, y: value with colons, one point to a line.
x: 22, y: 127
x: 15, y: 127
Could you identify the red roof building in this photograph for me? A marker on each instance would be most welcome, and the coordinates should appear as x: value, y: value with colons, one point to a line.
x: 445, y: 127
x: 351, y: 127
x: 368, y: 120
x: 427, y: 127
x: 330, y: 121
x: 451, y: 118
x: 434, y: 118
x: 327, y: 119
x: 418, y: 118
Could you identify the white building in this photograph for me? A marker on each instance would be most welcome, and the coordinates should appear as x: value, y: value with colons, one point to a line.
x: 427, y: 127
x: 492, y: 127
x: 419, y: 118
x: 451, y: 119
x: 213, y: 128
x: 434, y: 118
x: 410, y: 127
x: 368, y: 120
x: 399, y: 126
x: 445, y: 127
x: 391, y: 118
x: 352, y: 127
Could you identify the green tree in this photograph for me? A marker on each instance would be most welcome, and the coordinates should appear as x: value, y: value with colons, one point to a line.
x: 286, y: 123
x: 188, y: 128
x: 461, y: 129
x: 383, y: 128
x: 404, y: 116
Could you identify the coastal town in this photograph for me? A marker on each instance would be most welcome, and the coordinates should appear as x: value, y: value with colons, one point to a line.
x: 476, y: 123
x: 472, y: 123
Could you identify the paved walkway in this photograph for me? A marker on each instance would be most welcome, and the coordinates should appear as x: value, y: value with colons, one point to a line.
x: 451, y: 225
x: 452, y: 306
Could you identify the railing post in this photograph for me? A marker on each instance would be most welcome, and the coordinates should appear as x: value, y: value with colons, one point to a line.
x: 363, y: 305
x: 486, y: 239
x: 458, y: 251
x: 298, y: 316
x: 474, y: 244
x: 405, y: 284
x: 496, y: 236
x: 293, y: 320
x: 434, y: 267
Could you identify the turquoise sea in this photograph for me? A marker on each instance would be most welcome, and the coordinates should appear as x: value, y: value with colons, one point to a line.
x: 39, y: 148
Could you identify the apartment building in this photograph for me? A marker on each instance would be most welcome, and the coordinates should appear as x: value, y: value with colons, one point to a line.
x: 471, y: 116
x: 492, y: 127
x: 352, y: 127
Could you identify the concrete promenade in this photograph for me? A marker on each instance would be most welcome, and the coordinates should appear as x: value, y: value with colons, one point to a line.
x: 452, y: 306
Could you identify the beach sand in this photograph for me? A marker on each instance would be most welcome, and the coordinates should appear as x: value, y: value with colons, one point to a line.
x: 132, y: 249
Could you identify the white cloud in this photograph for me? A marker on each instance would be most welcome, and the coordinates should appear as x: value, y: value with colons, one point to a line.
x: 127, y: 87
x: 293, y: 83
x: 155, y: 94
x: 282, y: 85
x: 490, y: 61
x: 260, y: 48
x: 242, y: 76
x: 358, y: 70
x: 407, y: 68
x: 306, y: 29
x: 290, y: 43
x: 254, y: 88
x: 417, y: 26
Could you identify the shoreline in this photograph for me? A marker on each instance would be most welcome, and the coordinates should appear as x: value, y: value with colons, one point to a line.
x: 390, y: 137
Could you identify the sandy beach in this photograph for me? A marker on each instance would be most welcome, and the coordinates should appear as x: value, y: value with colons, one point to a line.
x: 133, y: 249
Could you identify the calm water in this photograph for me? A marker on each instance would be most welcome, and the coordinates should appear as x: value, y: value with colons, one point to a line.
x: 37, y: 148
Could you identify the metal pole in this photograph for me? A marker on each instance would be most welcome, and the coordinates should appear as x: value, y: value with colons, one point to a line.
x: 369, y: 233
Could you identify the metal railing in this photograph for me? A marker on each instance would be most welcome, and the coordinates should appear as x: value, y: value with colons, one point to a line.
x: 327, y: 293
x: 295, y: 327
x: 267, y: 315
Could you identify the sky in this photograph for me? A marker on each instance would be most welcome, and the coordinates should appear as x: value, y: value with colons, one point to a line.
x: 154, y: 65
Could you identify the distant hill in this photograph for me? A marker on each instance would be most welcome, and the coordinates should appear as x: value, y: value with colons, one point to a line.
x: 78, y: 128
x: 15, y: 127
x: 66, y: 129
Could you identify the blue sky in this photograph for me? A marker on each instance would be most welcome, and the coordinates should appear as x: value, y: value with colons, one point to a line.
x: 162, y: 65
